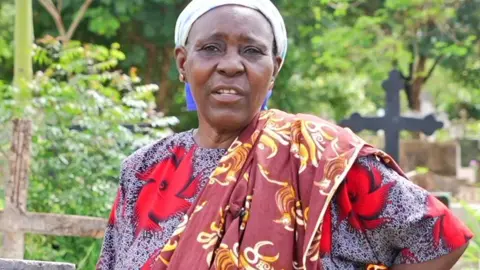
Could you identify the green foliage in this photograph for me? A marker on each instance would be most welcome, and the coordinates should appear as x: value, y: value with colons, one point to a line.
x: 80, y: 106
x: 422, y: 170
x: 356, y: 39
x: 340, y: 43
x: 472, y: 254
x: 7, y: 12
x: 2, y: 200
x: 102, y: 22
x: 339, y: 53
x: 81, y: 251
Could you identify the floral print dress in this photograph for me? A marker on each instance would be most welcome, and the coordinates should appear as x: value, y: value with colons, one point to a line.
x: 377, y: 218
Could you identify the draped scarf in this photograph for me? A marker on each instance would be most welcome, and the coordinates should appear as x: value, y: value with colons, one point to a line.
x: 264, y: 204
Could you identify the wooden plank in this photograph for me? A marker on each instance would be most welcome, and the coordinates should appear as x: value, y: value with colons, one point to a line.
x: 54, y: 224
x: 17, y: 185
x: 34, y: 265
x: 15, y: 221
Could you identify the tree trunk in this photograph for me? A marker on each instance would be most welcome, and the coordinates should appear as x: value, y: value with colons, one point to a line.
x: 16, y: 192
x: 23, y: 73
x: 418, y: 82
x: 152, y: 62
x: 162, y: 97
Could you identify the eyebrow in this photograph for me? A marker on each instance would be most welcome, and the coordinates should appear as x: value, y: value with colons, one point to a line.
x: 243, y: 37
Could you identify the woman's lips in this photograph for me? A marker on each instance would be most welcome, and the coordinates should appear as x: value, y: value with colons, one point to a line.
x: 226, y: 96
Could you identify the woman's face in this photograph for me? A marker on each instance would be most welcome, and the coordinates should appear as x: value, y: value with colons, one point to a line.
x: 230, y: 65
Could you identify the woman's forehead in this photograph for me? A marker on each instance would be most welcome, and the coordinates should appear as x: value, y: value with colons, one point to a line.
x: 232, y: 21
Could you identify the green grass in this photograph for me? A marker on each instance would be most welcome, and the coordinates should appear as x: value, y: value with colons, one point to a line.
x: 472, y: 254
x: 2, y: 199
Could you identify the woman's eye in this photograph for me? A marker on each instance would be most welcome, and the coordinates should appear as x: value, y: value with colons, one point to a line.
x: 252, y: 50
x: 211, y: 48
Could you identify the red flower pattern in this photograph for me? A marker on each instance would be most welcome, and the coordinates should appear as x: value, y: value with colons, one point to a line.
x: 113, y: 215
x: 447, y: 228
x: 360, y: 199
x: 363, y: 197
x: 409, y: 256
x: 361, y: 202
x: 169, y: 184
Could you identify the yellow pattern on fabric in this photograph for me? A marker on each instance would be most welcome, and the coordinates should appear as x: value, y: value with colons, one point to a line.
x: 318, y: 149
x: 284, y: 199
x: 249, y: 259
x: 171, y: 245
x: 376, y: 267
x: 210, y: 239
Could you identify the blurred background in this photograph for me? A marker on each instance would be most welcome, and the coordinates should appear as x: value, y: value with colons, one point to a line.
x: 104, y: 83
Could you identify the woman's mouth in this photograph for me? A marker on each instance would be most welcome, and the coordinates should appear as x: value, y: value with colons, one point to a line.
x: 226, y: 95
x: 227, y: 91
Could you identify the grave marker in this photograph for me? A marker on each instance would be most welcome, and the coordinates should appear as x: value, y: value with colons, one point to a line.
x: 467, y: 160
x: 392, y: 123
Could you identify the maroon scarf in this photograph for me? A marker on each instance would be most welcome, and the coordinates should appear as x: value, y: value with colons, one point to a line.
x: 264, y: 204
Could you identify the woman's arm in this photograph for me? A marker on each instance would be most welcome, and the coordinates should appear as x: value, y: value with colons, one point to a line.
x: 380, y: 218
x: 113, y: 233
x: 445, y: 262
x: 108, y: 253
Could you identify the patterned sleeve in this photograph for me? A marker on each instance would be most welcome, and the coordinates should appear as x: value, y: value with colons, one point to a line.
x: 108, y: 254
x: 377, y: 217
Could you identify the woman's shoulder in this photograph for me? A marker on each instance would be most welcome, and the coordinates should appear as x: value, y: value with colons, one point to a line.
x: 309, y: 120
x: 311, y: 126
x: 376, y: 204
x: 156, y: 150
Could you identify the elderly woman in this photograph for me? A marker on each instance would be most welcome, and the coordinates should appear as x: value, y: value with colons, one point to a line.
x: 262, y: 189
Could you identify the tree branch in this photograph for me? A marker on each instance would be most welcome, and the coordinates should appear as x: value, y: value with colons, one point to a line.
x: 412, y: 62
x: 429, y: 74
x: 57, y: 17
x: 4, y: 154
x: 78, y: 18
x: 415, y: 56
x: 411, y: 73
x: 59, y: 5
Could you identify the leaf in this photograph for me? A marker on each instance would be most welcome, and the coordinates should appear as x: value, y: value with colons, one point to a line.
x: 102, y: 22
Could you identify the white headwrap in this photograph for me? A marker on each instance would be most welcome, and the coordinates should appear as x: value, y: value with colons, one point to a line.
x: 197, y: 8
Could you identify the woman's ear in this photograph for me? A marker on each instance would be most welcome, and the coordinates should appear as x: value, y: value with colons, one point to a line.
x: 276, y: 68
x: 278, y: 61
x: 181, y: 59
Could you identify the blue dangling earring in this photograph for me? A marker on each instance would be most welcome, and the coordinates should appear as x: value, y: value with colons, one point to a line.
x: 192, y: 106
x: 265, y: 102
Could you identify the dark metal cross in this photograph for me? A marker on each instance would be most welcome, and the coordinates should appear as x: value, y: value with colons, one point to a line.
x: 392, y: 123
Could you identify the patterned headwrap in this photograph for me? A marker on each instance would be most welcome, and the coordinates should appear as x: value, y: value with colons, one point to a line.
x: 197, y: 8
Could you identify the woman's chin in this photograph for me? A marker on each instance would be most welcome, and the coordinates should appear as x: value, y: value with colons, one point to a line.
x: 229, y: 120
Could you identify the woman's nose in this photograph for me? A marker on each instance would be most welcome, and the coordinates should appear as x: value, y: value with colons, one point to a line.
x: 231, y: 64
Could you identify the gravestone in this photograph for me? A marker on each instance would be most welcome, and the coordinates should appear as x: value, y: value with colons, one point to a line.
x: 7, y: 264
x: 468, y: 157
x: 469, y: 151
x: 438, y: 157
x: 392, y: 123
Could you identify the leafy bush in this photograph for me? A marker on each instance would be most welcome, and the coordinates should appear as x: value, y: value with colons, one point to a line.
x: 7, y: 18
x: 87, y: 118
x: 472, y: 254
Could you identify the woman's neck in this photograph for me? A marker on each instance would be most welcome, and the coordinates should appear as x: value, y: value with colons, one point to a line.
x: 208, y: 137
